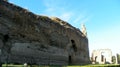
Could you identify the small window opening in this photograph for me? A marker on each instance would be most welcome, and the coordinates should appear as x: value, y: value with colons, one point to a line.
x: 74, y: 45
x: 6, y: 37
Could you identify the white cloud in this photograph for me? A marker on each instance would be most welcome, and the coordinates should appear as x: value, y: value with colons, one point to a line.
x: 80, y: 17
x: 50, y: 9
x: 54, y: 8
x: 84, y: 20
x: 66, y: 16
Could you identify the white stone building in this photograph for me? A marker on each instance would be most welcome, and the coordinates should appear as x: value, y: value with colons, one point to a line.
x: 102, y: 56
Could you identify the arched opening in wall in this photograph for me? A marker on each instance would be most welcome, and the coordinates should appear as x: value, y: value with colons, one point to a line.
x: 74, y: 45
x: 102, y: 58
x: 105, y: 59
x: 95, y: 58
x: 69, y: 60
x: 6, y: 37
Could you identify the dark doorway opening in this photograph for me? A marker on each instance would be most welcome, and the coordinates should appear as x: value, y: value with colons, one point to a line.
x: 6, y: 37
x: 95, y: 58
x: 74, y: 45
x: 69, y: 60
x: 102, y: 58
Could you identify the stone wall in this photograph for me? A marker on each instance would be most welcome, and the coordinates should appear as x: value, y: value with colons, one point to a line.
x: 102, y: 56
x: 29, y: 38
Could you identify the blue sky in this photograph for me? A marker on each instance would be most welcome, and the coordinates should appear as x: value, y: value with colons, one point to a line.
x: 101, y: 18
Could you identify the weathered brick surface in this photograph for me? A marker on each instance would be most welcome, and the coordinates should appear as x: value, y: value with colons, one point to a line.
x: 29, y: 38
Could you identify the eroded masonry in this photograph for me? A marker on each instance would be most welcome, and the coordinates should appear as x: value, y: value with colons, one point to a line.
x: 102, y: 56
x: 33, y: 39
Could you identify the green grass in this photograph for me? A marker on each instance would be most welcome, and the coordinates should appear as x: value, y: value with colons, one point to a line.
x: 96, y: 65
x: 10, y: 65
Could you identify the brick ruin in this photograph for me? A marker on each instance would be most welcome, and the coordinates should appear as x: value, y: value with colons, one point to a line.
x: 102, y: 56
x: 34, y: 39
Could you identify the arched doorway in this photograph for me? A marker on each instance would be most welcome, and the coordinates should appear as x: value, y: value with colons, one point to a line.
x: 95, y: 58
x: 72, y: 51
x: 102, y: 58
x: 74, y: 45
x: 70, y: 60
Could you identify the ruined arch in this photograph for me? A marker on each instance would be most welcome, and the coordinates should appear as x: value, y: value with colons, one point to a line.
x: 72, y: 50
x: 74, y: 45
x: 102, y: 58
x: 95, y: 58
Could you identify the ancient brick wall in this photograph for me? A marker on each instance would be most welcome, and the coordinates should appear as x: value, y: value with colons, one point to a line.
x: 102, y: 56
x: 29, y: 38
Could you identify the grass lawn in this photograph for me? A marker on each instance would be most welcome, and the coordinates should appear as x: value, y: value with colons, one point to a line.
x: 96, y: 65
x: 11, y: 65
